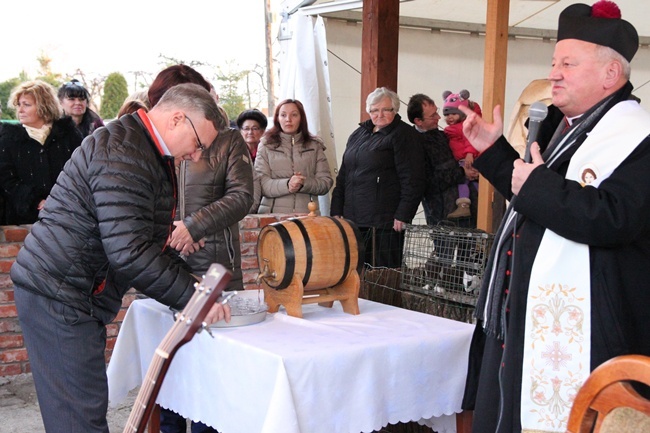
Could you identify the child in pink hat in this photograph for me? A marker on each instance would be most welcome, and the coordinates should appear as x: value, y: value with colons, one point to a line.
x: 463, y: 151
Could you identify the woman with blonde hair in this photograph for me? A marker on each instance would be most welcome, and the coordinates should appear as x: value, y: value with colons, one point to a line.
x: 33, y: 153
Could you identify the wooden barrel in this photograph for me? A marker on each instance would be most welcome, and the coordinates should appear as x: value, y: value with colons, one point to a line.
x: 323, y: 250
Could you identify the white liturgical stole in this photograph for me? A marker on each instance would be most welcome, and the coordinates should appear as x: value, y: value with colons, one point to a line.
x: 558, y: 315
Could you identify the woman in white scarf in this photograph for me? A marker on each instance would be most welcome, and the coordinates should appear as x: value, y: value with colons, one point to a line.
x: 33, y: 153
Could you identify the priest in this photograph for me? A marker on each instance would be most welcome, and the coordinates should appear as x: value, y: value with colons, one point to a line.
x: 566, y: 284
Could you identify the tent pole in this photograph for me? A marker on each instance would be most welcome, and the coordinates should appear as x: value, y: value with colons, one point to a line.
x: 490, y: 203
x: 379, y: 48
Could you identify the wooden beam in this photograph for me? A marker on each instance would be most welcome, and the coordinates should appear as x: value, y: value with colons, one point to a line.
x: 270, y: 69
x: 379, y: 48
x: 490, y: 208
x: 455, y: 26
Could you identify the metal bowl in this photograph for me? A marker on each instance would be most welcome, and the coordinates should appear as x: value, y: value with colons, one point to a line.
x: 243, y: 320
x: 247, y: 308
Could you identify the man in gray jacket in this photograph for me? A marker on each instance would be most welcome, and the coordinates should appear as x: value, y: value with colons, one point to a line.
x: 214, y: 194
x: 103, y: 230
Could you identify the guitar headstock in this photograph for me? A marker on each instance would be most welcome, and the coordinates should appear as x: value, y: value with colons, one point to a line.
x: 191, y: 318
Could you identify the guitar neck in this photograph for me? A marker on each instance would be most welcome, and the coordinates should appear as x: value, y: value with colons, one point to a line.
x: 186, y: 324
x: 144, y: 403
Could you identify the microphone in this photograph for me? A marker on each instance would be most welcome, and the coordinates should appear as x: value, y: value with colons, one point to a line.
x: 536, y: 113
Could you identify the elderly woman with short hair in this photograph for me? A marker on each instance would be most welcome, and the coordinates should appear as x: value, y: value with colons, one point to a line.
x: 252, y: 124
x: 381, y: 179
x: 33, y: 153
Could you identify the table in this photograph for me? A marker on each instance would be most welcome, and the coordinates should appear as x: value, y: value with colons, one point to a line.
x: 327, y: 372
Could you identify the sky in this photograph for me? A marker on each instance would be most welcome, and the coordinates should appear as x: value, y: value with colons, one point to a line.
x: 100, y: 37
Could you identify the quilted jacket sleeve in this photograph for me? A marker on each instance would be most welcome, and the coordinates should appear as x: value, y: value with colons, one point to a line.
x: 238, y: 192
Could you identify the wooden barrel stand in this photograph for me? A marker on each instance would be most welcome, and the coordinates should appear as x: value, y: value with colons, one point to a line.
x: 294, y: 296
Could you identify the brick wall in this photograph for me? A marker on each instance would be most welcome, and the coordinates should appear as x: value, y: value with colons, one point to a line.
x: 13, y: 355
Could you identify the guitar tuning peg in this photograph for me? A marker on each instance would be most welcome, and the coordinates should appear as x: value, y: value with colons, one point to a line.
x: 175, y: 313
x: 204, y: 326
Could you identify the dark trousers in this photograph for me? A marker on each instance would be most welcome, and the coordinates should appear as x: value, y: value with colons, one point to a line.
x: 66, y: 355
x: 383, y: 246
x: 171, y: 422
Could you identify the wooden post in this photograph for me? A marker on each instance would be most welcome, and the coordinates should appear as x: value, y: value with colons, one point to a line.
x: 270, y: 70
x: 379, y: 47
x: 494, y: 91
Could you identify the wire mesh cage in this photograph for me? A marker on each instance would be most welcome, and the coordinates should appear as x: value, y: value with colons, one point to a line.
x: 445, y: 262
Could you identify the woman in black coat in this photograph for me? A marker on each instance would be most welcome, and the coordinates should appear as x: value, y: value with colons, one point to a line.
x: 380, y: 183
x: 33, y: 153
x: 74, y: 99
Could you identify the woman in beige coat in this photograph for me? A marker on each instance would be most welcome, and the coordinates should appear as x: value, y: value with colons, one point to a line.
x: 291, y: 168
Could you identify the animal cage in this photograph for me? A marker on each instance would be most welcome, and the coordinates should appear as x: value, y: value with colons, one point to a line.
x: 445, y: 262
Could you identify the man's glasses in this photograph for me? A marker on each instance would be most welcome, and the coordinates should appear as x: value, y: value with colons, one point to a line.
x: 199, y: 146
x: 251, y: 129
x: 374, y: 111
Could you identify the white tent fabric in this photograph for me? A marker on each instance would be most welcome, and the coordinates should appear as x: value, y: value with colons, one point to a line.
x: 305, y: 77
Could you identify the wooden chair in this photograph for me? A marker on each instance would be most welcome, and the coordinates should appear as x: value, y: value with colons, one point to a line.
x: 607, y: 398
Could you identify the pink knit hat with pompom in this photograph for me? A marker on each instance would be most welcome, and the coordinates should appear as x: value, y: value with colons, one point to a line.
x: 453, y: 101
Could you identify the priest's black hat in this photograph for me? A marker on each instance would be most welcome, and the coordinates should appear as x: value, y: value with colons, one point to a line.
x: 599, y: 24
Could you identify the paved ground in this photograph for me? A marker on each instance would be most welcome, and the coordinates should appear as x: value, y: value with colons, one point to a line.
x: 19, y: 411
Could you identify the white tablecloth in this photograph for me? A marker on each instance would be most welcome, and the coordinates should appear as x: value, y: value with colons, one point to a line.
x: 328, y: 372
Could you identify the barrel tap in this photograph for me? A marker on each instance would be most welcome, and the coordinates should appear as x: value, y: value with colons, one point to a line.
x: 265, y: 272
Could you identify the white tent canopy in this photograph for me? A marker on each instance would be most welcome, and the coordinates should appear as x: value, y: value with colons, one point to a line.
x: 305, y: 77
x: 525, y: 15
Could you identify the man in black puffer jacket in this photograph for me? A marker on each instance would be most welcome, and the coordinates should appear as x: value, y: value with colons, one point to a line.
x: 103, y: 230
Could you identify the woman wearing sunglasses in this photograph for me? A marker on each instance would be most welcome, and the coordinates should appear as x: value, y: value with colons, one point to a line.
x: 74, y: 98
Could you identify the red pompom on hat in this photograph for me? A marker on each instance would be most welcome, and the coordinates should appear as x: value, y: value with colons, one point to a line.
x: 605, y: 9
x: 601, y: 25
